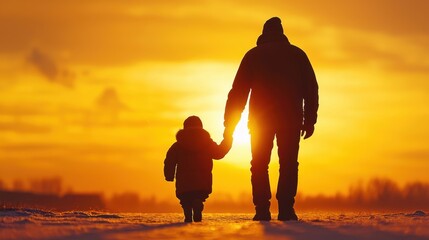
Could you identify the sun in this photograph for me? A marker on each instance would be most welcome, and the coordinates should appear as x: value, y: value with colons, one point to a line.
x: 240, y: 154
x: 241, y: 134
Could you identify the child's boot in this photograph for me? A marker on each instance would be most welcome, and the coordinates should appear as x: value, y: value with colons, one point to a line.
x: 187, y: 210
x: 197, y: 207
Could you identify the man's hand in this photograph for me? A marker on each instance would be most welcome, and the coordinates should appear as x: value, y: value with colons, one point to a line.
x: 307, y: 131
x: 226, y: 144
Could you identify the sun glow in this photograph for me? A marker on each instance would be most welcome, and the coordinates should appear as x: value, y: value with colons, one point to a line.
x: 241, y: 133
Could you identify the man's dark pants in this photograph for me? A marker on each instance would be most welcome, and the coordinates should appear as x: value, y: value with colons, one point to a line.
x: 288, y: 146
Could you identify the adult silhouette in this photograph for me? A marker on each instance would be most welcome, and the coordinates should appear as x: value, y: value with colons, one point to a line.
x: 283, y: 104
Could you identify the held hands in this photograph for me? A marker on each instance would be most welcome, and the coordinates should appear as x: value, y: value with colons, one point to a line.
x: 226, y: 143
x: 307, y: 131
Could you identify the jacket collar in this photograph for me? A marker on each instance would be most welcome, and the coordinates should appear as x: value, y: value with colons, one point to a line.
x: 267, y: 38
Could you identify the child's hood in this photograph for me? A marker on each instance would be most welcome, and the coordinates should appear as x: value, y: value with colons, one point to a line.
x: 193, y: 138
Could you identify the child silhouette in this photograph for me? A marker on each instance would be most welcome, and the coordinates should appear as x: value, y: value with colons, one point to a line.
x: 190, y: 160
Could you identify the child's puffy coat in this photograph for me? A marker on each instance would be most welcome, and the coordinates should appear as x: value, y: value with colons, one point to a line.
x: 190, y: 160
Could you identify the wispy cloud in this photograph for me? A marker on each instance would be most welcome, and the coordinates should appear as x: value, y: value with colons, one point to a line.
x: 133, y: 31
x: 387, y: 53
x: 412, y: 154
x: 109, y: 101
x: 50, y: 69
x: 24, y: 127
x: 15, y: 110
x: 389, y: 17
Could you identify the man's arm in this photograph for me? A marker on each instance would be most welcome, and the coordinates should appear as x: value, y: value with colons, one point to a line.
x: 311, y: 99
x: 170, y: 163
x: 237, y: 97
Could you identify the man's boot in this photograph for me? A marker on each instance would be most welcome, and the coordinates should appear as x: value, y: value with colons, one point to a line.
x: 262, y: 213
x: 287, y: 212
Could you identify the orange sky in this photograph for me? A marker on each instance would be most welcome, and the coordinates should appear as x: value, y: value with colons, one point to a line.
x: 94, y: 91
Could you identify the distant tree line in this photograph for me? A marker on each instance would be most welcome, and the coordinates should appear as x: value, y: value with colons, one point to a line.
x: 377, y: 194
x: 48, y: 185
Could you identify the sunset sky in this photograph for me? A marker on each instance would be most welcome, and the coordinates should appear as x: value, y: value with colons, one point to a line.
x: 94, y: 91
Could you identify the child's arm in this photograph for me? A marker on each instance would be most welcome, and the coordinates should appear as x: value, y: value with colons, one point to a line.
x: 170, y: 163
x: 223, y: 148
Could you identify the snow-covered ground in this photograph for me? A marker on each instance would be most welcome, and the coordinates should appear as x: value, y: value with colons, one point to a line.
x: 37, y: 224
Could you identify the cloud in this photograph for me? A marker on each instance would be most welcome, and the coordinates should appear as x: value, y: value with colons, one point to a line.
x: 390, y: 17
x: 345, y: 48
x: 22, y: 127
x: 50, y: 70
x: 109, y: 101
x: 109, y: 106
x: 412, y: 155
x: 133, y: 31
x: 122, y: 32
x: 20, y: 110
